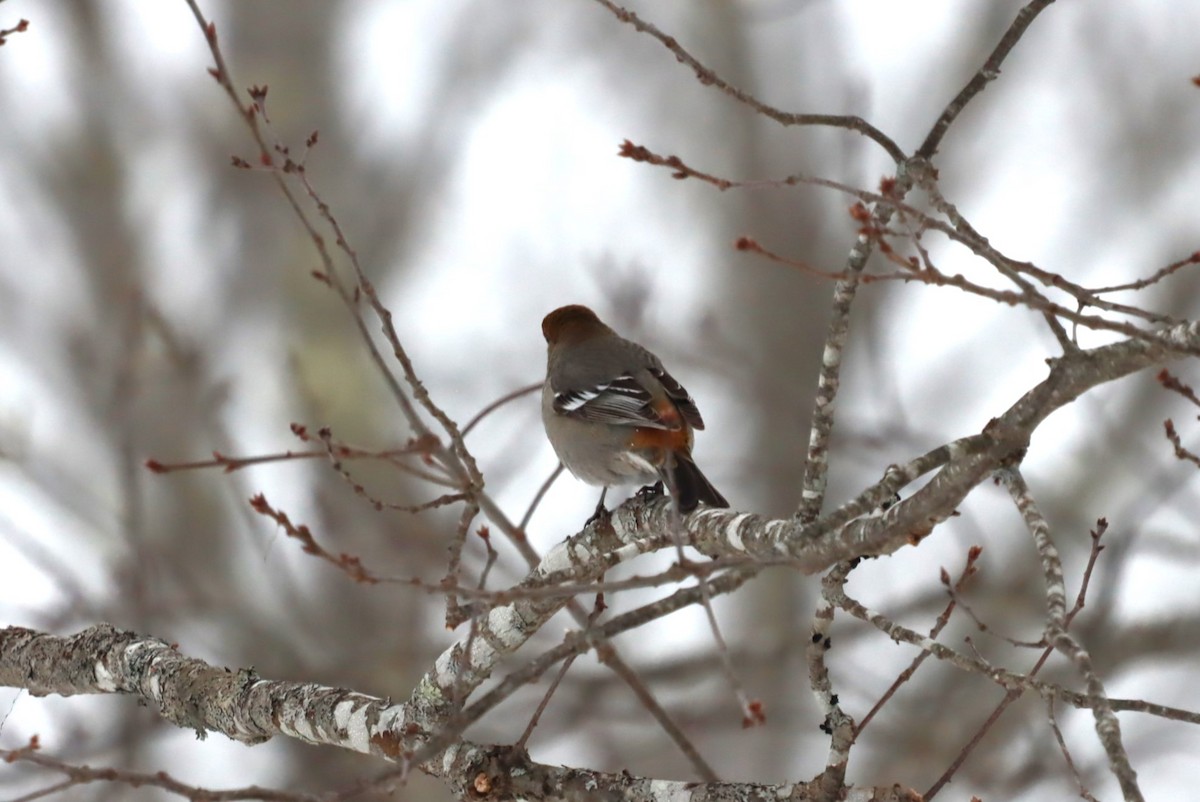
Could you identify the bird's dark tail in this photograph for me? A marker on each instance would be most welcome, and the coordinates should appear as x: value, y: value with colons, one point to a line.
x: 689, y: 486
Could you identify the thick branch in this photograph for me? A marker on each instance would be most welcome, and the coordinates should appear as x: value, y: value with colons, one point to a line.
x: 817, y: 546
x: 193, y: 694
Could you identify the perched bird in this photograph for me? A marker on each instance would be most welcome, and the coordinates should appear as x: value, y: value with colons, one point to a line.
x: 614, y: 415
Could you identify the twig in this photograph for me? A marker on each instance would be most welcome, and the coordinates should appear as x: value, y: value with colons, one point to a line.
x: 708, y: 77
x: 229, y: 464
x: 1015, y: 693
x: 968, y: 571
x: 1181, y: 452
x: 989, y: 72
x: 459, y: 693
x: 83, y: 775
x: 333, y: 452
x: 875, y: 231
x: 538, y: 496
x: 456, y: 459
x: 598, y: 608
x: 499, y: 402
x: 455, y: 614
x: 926, y: 178
x: 1175, y: 385
x: 1066, y: 753
x: 607, y: 655
x: 1108, y: 728
x: 837, y: 723
x: 1003, y: 677
x: 20, y: 27
x: 1154, y: 278
x: 347, y: 563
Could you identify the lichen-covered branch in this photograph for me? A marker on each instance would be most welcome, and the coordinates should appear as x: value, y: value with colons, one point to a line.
x: 250, y: 709
x: 1108, y: 728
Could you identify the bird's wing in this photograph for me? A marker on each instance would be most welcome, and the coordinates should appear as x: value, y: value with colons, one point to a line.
x: 680, y: 397
x: 625, y: 401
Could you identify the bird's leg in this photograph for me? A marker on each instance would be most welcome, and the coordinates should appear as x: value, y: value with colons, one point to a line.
x: 601, y: 511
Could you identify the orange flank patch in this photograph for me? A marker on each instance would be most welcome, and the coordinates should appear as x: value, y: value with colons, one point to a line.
x: 671, y: 439
x: 668, y: 413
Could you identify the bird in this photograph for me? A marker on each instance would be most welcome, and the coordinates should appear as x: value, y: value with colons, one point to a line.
x: 614, y: 415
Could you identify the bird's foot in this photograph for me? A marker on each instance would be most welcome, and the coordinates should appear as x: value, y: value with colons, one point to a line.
x: 650, y: 492
x: 600, y: 515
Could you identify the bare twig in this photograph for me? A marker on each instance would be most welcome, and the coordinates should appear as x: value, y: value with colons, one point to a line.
x: 538, y: 496
x: 455, y: 614
x: 83, y: 775
x: 499, y: 402
x: 20, y: 27
x: 276, y: 157
x: 1066, y: 753
x: 347, y: 563
x: 1181, y: 451
x: 968, y: 571
x: 989, y: 72
x: 1015, y: 693
x: 708, y: 77
x: 875, y: 231
x: 1154, y: 278
x: 606, y: 654
x: 333, y: 452
x: 1003, y: 677
x: 597, y: 609
x: 1173, y: 383
x: 1108, y: 728
x: 229, y: 464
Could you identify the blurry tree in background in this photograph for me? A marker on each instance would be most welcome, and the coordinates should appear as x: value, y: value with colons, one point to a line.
x: 158, y: 304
